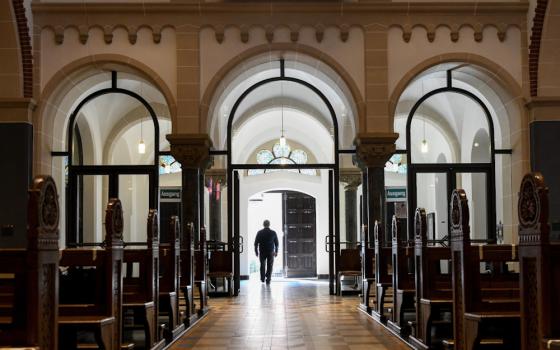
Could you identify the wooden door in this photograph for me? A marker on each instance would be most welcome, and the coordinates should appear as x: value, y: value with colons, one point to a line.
x: 300, y: 240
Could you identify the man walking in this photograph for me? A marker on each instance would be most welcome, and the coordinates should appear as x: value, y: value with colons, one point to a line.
x: 266, y: 248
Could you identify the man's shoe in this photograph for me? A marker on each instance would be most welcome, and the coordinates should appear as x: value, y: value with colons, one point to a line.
x: 267, y: 281
x: 262, y: 281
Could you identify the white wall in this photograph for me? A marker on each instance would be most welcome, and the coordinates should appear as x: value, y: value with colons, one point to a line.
x: 315, y: 186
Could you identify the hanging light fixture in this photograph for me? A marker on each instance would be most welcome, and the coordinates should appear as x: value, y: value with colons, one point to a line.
x: 424, y: 146
x: 141, y: 144
x: 282, y: 137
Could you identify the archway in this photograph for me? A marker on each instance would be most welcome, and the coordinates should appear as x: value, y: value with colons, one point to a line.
x: 114, y: 111
x: 456, y: 135
x: 247, y: 120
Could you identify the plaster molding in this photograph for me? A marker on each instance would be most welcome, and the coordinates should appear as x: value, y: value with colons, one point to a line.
x: 219, y: 16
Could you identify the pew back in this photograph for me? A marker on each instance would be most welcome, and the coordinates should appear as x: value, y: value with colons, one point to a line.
x: 29, y: 277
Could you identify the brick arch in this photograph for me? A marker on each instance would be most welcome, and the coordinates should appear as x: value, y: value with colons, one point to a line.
x: 535, y: 46
x: 25, y: 47
x: 212, y: 89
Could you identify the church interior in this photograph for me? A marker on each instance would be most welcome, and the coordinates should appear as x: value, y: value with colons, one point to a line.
x: 398, y: 148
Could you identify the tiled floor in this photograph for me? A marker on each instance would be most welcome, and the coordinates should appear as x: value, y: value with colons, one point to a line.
x: 288, y: 314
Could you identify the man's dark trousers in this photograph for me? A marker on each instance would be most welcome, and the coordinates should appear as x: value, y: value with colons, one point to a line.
x: 267, y: 259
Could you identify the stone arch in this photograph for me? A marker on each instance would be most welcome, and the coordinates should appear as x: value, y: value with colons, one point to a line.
x: 43, y: 120
x: 212, y: 89
x: 504, y: 78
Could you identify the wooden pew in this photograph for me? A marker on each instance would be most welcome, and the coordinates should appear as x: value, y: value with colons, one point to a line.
x: 383, y: 273
x: 539, y: 261
x: 368, y: 270
x: 140, y: 290
x: 434, y: 298
x: 200, y: 272
x: 220, y: 267
x: 349, y: 264
x: 186, y: 281
x: 403, y: 278
x: 29, y: 277
x: 170, y: 260
x: 485, y: 306
x: 90, y: 297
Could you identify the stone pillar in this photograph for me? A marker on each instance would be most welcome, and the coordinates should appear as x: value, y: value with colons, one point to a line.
x: 16, y: 142
x: 373, y: 150
x: 216, y: 179
x: 353, y: 179
x: 193, y: 152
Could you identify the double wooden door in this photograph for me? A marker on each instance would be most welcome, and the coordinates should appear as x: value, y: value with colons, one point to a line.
x: 300, y: 236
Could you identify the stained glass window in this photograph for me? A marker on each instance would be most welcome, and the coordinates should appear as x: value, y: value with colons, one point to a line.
x: 168, y: 165
x: 397, y: 164
x: 282, y: 155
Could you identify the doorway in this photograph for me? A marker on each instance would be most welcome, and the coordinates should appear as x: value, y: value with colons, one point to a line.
x: 300, y: 235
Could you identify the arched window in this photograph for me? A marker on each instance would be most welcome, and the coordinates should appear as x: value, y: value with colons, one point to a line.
x: 281, y: 155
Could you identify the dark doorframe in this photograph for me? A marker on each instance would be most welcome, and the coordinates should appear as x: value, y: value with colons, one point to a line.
x: 113, y: 171
x: 454, y: 168
x: 233, y: 219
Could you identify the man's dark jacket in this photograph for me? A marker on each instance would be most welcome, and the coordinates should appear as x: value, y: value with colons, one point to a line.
x: 266, y: 242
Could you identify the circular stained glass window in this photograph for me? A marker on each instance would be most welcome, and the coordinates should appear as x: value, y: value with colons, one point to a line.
x: 282, y: 155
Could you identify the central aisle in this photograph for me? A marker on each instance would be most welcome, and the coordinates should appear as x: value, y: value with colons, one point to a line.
x: 288, y: 314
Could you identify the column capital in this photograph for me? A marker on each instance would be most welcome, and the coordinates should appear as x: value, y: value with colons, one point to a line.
x: 191, y: 150
x: 217, y: 175
x: 373, y: 150
x: 352, y: 178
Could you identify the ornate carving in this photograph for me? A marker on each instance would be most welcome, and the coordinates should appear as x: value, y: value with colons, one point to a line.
x: 152, y: 228
x: 352, y: 178
x: 44, y: 214
x: 174, y: 228
x: 192, y: 151
x: 532, y: 209
x: 459, y: 213
x: 395, y: 229
x: 374, y: 150
x: 113, y: 221
x: 420, y: 226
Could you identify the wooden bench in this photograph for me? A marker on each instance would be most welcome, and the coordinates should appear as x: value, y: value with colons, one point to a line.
x: 29, y: 277
x: 383, y: 275
x: 349, y: 264
x: 433, y: 289
x: 220, y: 267
x: 90, y: 297
x: 200, y: 272
x: 186, y: 281
x: 169, y: 280
x: 539, y: 261
x: 368, y: 278
x: 403, y: 278
x: 485, y: 306
x: 140, y: 285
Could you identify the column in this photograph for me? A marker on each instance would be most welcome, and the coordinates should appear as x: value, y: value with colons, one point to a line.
x: 193, y: 152
x: 353, y: 179
x: 216, y: 178
x: 373, y: 150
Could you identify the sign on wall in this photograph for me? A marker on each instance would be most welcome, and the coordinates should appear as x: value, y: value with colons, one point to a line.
x: 170, y: 194
x: 395, y: 194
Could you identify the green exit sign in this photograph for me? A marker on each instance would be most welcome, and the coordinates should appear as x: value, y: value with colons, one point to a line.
x: 394, y: 194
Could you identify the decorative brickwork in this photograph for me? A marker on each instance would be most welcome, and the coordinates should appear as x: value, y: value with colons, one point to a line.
x: 25, y: 46
x: 535, y: 46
